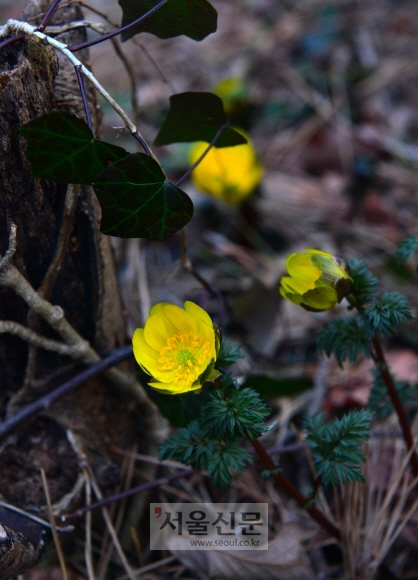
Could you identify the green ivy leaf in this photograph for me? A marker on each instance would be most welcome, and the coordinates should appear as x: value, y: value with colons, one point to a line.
x: 268, y: 387
x: 61, y: 147
x: 193, y: 18
x: 138, y: 202
x: 197, y: 117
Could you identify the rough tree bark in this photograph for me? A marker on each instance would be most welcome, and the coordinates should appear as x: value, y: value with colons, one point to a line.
x: 62, y: 254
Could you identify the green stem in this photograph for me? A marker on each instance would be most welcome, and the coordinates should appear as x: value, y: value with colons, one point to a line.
x: 288, y: 486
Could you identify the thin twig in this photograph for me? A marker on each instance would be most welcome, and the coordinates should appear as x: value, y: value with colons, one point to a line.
x: 113, y: 359
x: 288, y: 486
x: 50, y: 278
x: 48, y: 15
x: 17, y: 25
x: 396, y: 402
x: 55, y: 535
x: 111, y: 529
x: 152, y: 566
x: 132, y: 78
x: 88, y: 550
x: 200, y: 159
x: 13, y: 508
x: 134, y: 40
x: 28, y: 335
x: 12, y: 40
x: 12, y: 247
x: 128, y: 492
x: 83, y: 95
x: 118, y: 31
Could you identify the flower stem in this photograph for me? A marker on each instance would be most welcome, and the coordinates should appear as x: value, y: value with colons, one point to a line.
x: 379, y: 358
x: 396, y: 402
x: 288, y: 486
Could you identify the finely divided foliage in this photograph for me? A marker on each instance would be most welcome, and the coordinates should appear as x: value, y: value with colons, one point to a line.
x: 335, y: 446
x: 228, y: 354
x: 364, y: 282
x: 233, y: 413
x: 407, y: 248
x: 345, y: 338
x: 382, y: 315
x: 379, y: 401
x: 190, y: 445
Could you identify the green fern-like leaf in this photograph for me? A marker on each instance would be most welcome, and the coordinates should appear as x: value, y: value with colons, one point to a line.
x: 344, y: 338
x: 382, y: 315
x: 228, y: 354
x: 224, y: 459
x: 188, y: 446
x: 364, y: 282
x: 335, y: 446
x: 379, y: 401
x: 231, y: 414
x: 407, y: 248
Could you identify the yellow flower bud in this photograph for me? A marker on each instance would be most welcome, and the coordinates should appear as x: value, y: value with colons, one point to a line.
x: 228, y: 173
x: 177, y: 347
x: 317, y: 280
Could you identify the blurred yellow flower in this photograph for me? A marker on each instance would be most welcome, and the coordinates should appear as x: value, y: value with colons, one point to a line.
x: 228, y: 173
x: 177, y: 347
x: 233, y: 92
x: 317, y: 280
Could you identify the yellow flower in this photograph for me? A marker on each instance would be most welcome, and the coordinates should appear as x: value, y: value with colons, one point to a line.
x: 233, y: 92
x: 177, y: 347
x: 317, y: 280
x: 228, y: 173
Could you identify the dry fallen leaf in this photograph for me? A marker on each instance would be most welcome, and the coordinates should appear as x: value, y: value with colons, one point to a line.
x: 285, y: 559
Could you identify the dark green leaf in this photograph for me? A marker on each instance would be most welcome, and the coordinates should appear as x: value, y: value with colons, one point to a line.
x: 197, y: 117
x: 138, y: 202
x: 193, y: 18
x: 61, y: 147
x: 268, y: 388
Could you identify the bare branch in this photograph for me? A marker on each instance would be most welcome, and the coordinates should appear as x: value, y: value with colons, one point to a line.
x: 12, y: 247
x: 12, y: 327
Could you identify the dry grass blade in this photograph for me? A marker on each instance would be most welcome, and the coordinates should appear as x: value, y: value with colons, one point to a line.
x: 111, y: 529
x: 55, y: 535
x: 88, y: 550
x: 372, y: 515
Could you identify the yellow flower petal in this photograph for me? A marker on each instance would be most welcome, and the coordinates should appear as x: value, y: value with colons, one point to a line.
x: 155, y: 333
x: 301, y: 267
x: 230, y: 173
x: 180, y: 319
x: 198, y: 313
x: 317, y: 280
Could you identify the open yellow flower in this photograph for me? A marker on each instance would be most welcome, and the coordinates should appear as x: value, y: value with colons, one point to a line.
x: 317, y: 280
x: 228, y: 173
x: 177, y: 347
